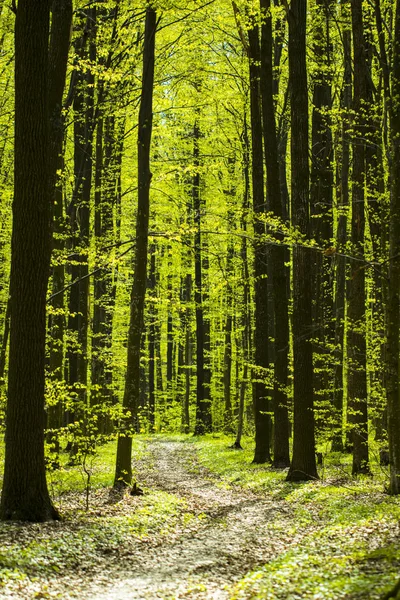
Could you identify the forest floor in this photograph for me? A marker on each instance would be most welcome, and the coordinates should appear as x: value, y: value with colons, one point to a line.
x: 198, y: 534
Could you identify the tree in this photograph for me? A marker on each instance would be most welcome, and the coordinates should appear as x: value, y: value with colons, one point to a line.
x: 357, y: 350
x: 25, y: 495
x: 58, y: 60
x: 303, y: 464
x: 123, y: 470
x: 203, y: 405
x: 278, y: 252
x: 393, y: 316
x: 261, y: 358
x: 343, y: 165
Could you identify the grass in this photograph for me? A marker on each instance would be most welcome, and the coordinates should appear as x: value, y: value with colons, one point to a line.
x: 338, y: 540
x: 32, y: 555
x: 348, y: 527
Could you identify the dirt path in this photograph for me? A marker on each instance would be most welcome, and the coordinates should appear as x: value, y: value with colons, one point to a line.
x: 237, y: 532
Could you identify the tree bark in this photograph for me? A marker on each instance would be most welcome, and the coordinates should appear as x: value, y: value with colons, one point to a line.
x: 260, y: 388
x: 123, y: 471
x: 25, y: 496
x: 321, y: 200
x: 303, y: 466
x: 58, y: 59
x: 393, y: 316
x: 356, y: 342
x: 278, y: 251
x: 341, y: 238
x: 203, y: 422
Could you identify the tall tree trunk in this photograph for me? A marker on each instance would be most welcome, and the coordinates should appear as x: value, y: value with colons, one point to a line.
x: 377, y: 216
x: 99, y: 287
x: 203, y: 406
x: 152, y: 282
x: 25, y: 496
x: 107, y: 175
x: 356, y: 344
x: 79, y: 219
x: 58, y: 59
x: 229, y: 310
x: 170, y: 332
x: 341, y: 238
x: 279, y: 269
x: 303, y: 465
x: 321, y: 200
x: 123, y: 470
x: 186, y: 319
x: 260, y: 387
x: 393, y: 316
x: 245, y: 316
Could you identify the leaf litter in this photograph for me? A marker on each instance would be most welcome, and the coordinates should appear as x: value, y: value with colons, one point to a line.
x: 193, y: 536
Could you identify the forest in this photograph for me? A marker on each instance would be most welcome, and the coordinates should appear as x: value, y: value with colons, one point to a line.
x: 199, y: 299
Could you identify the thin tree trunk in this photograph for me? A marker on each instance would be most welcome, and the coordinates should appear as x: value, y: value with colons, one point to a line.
x: 356, y: 342
x: 123, y: 471
x: 278, y: 252
x: 58, y: 60
x: 393, y: 316
x: 321, y: 200
x: 80, y: 218
x: 245, y: 316
x: 152, y: 335
x: 341, y: 238
x: 203, y: 407
x: 260, y: 388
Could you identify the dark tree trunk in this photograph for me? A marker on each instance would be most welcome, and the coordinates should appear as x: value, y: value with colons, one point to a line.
x: 123, y: 471
x: 207, y: 325
x: 107, y: 175
x: 245, y: 316
x: 185, y: 350
x: 356, y: 343
x: 321, y: 200
x: 58, y: 59
x: 4, y: 340
x: 260, y: 389
x: 378, y: 221
x: 229, y: 311
x: 170, y: 333
x: 25, y: 496
x: 186, y: 314
x: 203, y: 407
x: 303, y: 465
x: 79, y: 212
x: 99, y: 284
x: 393, y: 317
x: 341, y: 238
x: 152, y: 335
x: 278, y: 252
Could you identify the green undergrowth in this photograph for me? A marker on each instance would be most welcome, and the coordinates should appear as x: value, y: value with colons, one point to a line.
x: 86, y: 540
x: 114, y: 528
x: 98, y: 468
x: 343, y: 534
x: 350, y: 562
x: 336, y: 538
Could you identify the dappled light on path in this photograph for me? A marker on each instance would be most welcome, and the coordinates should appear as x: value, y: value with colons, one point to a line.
x: 235, y: 531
